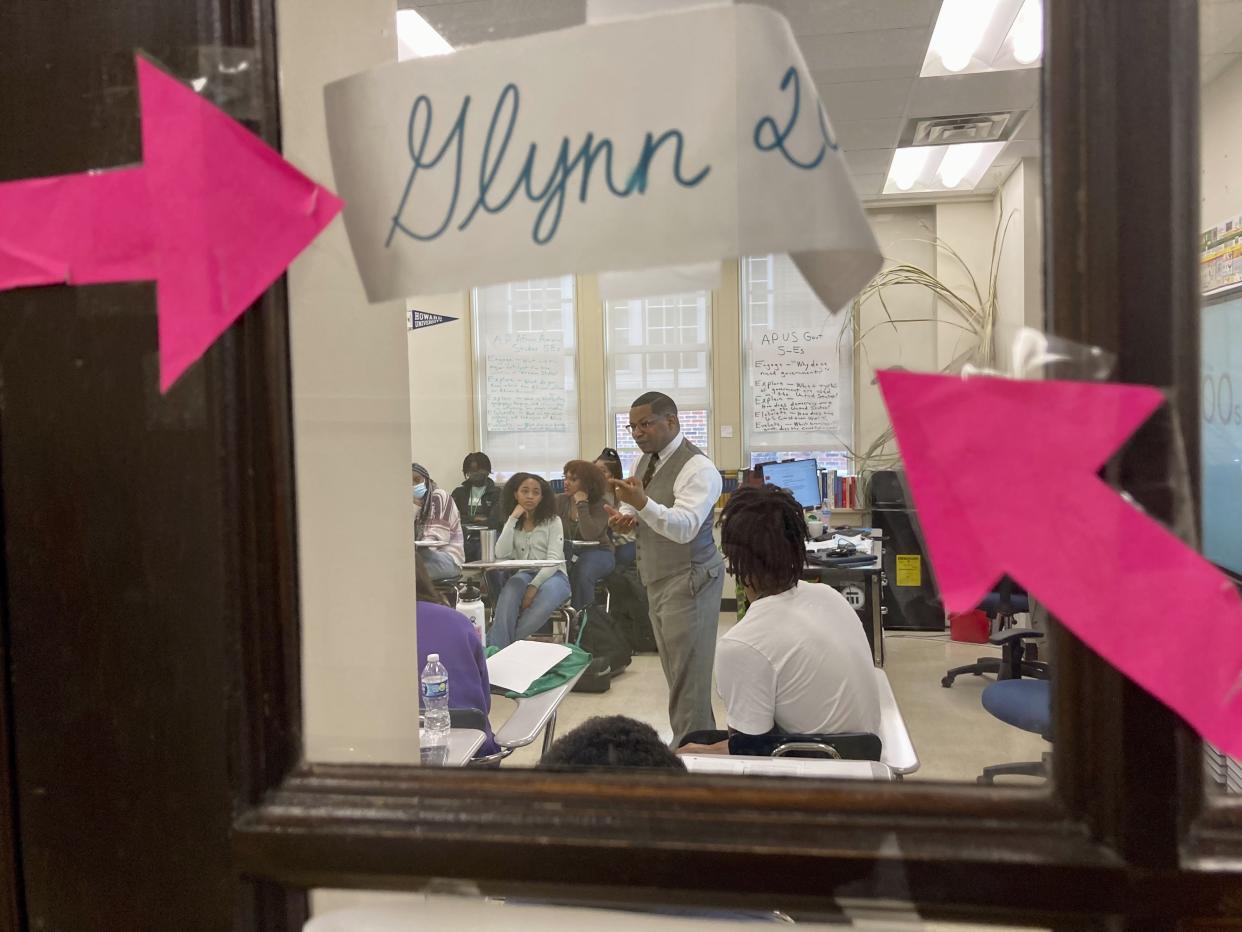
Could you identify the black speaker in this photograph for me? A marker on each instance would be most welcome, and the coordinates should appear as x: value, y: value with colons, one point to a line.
x: 912, y: 601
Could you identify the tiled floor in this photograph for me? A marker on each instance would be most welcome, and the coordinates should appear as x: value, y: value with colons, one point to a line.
x: 955, y: 738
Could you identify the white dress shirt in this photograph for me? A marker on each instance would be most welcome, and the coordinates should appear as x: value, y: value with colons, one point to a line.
x: 695, y: 493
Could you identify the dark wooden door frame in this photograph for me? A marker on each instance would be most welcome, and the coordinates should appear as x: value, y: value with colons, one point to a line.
x: 1123, y: 835
x: 1110, y: 838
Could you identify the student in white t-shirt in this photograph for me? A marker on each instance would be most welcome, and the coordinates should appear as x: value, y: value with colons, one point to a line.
x: 798, y: 662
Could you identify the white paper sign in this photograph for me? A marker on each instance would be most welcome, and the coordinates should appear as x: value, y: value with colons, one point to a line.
x: 795, y: 381
x: 667, y: 140
x: 525, y: 382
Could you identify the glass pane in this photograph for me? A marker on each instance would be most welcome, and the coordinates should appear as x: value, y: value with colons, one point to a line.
x: 542, y: 376
x: 1220, y: 25
x: 380, y: 911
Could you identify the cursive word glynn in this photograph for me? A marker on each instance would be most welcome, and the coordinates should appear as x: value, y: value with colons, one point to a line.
x: 492, y: 196
x: 778, y: 136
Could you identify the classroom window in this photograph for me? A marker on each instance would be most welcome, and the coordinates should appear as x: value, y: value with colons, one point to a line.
x: 798, y: 387
x: 660, y: 344
x: 525, y: 367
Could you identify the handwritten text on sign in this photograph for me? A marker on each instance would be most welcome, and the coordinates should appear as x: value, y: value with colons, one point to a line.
x: 476, y: 167
x: 526, y: 382
x: 795, y: 382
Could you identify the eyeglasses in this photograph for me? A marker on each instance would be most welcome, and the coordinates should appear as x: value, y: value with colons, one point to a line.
x: 645, y: 424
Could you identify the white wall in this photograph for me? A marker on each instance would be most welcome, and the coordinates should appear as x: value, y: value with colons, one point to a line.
x: 441, y: 373
x: 352, y: 428
x: 905, y: 235
x: 1220, y: 122
x: 1019, y: 278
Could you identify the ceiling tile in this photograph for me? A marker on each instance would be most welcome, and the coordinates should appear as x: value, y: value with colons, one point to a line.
x: 865, y: 100
x: 868, y: 161
x: 868, y: 134
x: 816, y: 17
x: 975, y: 93
x: 889, y: 53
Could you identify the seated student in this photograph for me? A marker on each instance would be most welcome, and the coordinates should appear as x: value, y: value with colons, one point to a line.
x: 532, y: 531
x: 609, y: 465
x: 799, y: 662
x: 610, y: 741
x: 476, y: 498
x: 435, y: 518
x: 581, y: 507
x: 451, y: 635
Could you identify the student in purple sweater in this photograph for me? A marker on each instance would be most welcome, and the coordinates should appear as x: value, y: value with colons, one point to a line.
x: 446, y: 632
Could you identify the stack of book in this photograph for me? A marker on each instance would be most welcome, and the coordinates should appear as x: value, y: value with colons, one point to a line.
x: 840, y: 490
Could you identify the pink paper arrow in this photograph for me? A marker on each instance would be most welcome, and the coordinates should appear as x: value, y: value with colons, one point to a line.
x: 213, y: 215
x: 1003, y: 474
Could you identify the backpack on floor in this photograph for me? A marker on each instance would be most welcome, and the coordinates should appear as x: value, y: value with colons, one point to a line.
x: 596, y: 678
x: 628, y: 602
x: 599, y: 636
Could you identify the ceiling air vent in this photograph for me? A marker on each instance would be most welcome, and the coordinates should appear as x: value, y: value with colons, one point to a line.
x: 960, y: 128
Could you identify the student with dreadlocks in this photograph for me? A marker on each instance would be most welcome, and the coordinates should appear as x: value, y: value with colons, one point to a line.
x: 798, y: 663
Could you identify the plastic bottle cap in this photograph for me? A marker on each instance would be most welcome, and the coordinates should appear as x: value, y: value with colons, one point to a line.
x: 433, y: 658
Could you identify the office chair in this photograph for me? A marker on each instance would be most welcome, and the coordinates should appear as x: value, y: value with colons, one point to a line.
x: 1001, y: 606
x: 1025, y: 704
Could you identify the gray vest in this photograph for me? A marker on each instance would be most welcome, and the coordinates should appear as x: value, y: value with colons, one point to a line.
x: 659, y: 557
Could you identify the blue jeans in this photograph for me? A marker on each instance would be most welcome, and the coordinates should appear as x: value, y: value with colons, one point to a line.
x: 440, y: 565
x: 510, y: 623
x: 590, y: 567
x: 626, y: 553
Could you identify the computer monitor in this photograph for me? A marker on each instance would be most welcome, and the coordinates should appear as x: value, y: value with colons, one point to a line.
x: 801, y: 477
x: 1220, y: 429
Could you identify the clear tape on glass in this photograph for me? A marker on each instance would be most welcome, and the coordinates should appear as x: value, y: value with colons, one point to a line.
x: 230, y: 77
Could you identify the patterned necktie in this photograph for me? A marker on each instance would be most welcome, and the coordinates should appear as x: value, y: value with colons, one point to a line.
x: 650, y: 471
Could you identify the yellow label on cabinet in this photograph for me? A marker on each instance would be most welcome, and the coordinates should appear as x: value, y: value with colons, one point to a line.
x: 909, y: 569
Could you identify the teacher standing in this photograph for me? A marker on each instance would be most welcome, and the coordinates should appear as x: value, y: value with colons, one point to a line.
x: 669, y: 503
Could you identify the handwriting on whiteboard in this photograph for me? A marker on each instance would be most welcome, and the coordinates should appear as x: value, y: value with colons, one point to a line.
x: 795, y: 382
x: 526, y: 382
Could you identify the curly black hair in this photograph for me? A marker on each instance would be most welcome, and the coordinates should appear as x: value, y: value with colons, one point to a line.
x: 611, y: 741
x: 763, y: 535
x: 545, y: 510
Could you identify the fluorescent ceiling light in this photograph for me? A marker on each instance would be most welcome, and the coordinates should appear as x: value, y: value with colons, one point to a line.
x: 959, y: 28
x: 939, y: 169
x: 977, y: 36
x: 1026, y: 38
x: 417, y: 38
x: 957, y: 163
x: 908, y: 166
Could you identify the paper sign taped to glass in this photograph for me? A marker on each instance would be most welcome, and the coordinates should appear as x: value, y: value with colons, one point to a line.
x: 678, y: 138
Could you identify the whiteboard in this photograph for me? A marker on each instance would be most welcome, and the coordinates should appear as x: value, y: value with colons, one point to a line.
x: 525, y: 382
x: 799, y: 362
x: 795, y: 381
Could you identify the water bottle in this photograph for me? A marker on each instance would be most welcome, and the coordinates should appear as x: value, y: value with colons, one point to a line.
x: 470, y: 604
x: 433, y: 733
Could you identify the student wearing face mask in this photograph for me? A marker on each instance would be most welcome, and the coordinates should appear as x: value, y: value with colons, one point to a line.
x: 476, y: 499
x: 436, y: 518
